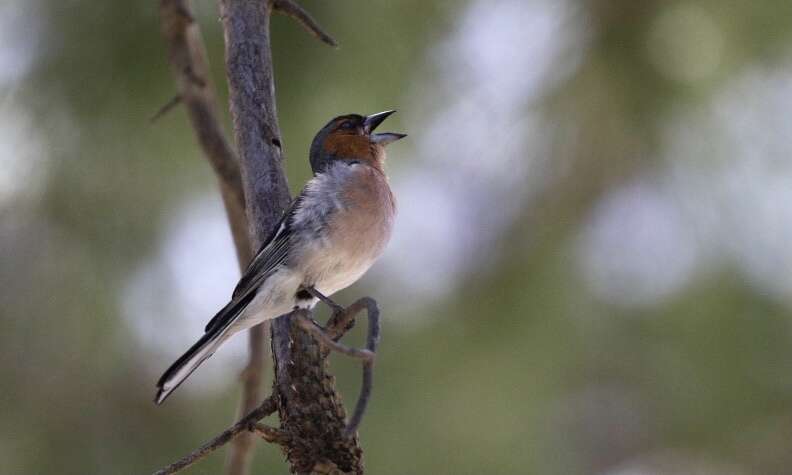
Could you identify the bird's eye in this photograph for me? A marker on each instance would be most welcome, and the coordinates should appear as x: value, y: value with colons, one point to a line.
x: 347, y: 125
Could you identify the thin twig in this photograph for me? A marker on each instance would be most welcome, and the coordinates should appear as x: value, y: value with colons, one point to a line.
x: 270, y: 434
x: 173, y: 102
x: 298, y: 13
x: 247, y: 423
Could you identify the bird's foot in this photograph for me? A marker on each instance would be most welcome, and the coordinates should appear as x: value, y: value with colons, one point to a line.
x: 336, y: 309
x: 329, y: 337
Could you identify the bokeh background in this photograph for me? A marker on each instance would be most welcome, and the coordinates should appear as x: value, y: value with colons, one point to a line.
x: 592, y: 267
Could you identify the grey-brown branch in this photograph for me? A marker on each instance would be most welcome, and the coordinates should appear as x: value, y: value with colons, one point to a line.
x: 248, y: 61
x: 187, y: 57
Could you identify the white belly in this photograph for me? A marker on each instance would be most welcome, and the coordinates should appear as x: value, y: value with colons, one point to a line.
x: 330, y: 269
x: 332, y: 282
x: 276, y: 297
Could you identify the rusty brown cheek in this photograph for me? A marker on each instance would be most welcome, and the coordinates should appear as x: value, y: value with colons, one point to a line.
x: 348, y: 146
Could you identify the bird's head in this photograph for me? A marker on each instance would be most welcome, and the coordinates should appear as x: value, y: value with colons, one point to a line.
x: 351, y: 137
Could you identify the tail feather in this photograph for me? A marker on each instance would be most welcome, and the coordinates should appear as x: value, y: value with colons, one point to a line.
x: 187, y: 363
x: 217, y: 331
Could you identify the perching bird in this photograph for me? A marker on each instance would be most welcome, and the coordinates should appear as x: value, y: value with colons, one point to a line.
x: 327, y: 239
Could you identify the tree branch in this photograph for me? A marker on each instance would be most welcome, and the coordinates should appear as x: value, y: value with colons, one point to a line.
x: 252, y: 102
x: 188, y: 61
x: 247, y: 423
x: 257, y: 136
x: 173, y: 102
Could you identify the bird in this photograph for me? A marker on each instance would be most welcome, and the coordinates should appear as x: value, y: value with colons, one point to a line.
x: 325, y: 241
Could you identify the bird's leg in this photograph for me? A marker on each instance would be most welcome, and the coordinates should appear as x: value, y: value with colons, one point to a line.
x: 343, y: 320
x: 335, y: 330
x: 337, y: 309
x: 308, y: 323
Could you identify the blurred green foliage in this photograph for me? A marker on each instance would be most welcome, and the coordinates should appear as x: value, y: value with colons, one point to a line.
x: 518, y: 370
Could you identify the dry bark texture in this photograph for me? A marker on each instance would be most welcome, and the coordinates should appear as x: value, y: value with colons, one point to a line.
x: 252, y: 100
x: 310, y: 409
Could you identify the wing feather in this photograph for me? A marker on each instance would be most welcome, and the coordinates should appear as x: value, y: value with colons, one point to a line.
x: 273, y: 252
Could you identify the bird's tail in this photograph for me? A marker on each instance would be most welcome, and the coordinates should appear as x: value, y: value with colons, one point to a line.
x: 219, y: 329
x: 189, y: 362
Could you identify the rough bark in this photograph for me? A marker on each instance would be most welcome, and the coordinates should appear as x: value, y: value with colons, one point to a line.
x: 257, y: 136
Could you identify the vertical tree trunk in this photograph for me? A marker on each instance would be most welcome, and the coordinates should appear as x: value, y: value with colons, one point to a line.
x: 257, y: 136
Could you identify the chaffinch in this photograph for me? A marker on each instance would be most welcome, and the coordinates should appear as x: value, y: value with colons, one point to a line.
x: 328, y: 238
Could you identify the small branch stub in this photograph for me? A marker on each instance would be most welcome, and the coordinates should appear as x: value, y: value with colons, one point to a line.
x: 175, y: 101
x: 298, y: 13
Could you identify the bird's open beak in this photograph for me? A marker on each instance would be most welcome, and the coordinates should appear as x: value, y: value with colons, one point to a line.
x: 373, y: 121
